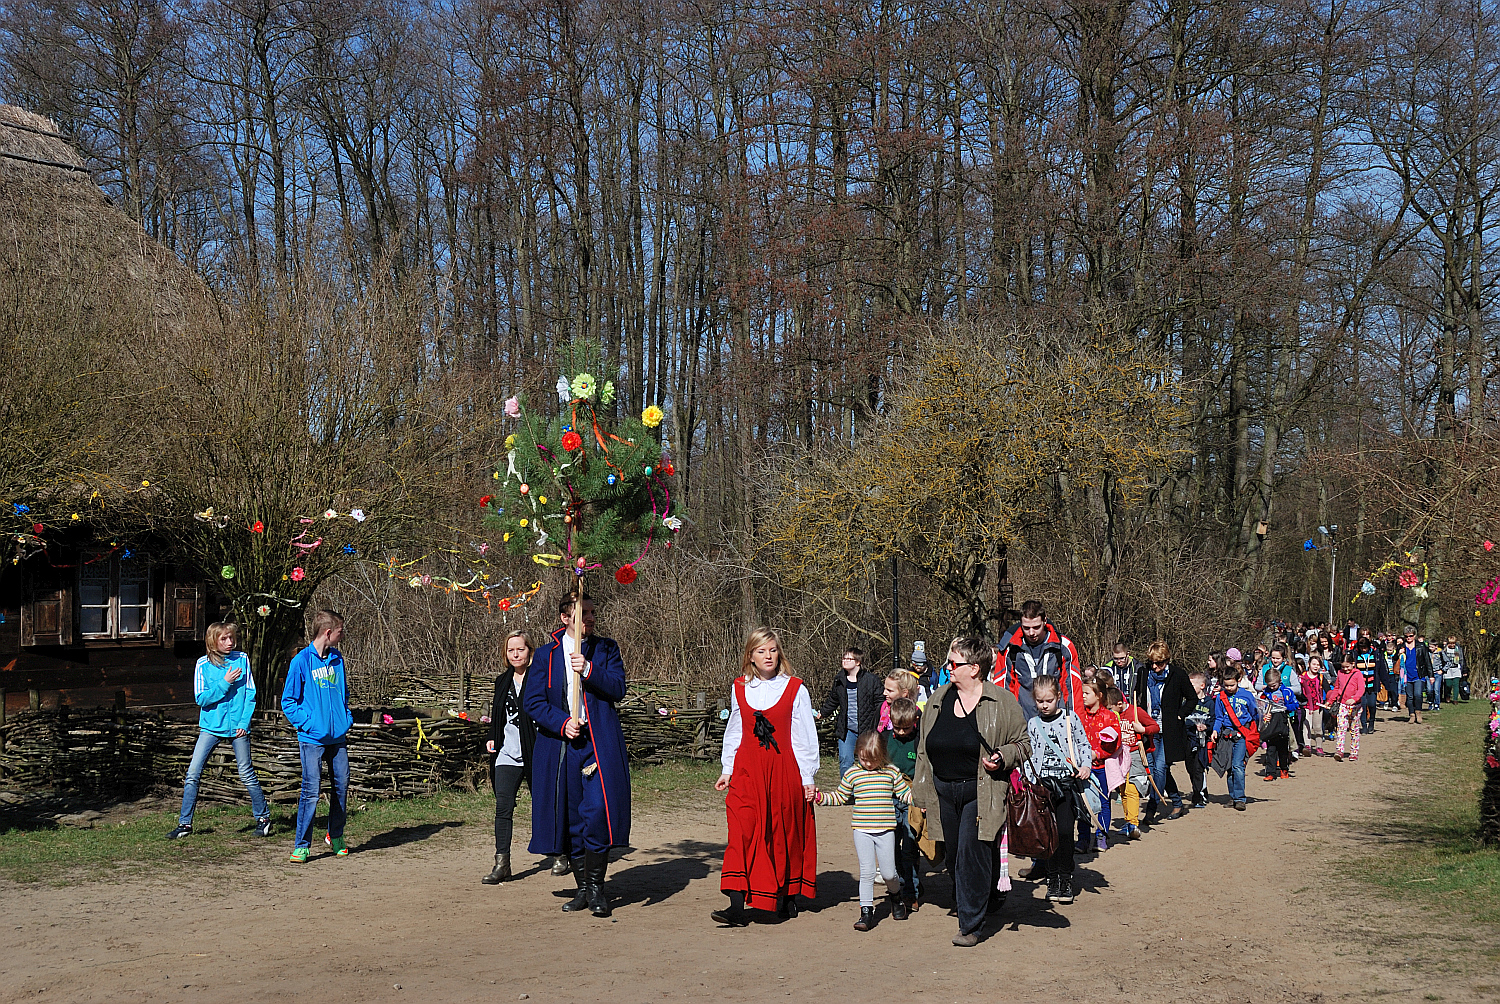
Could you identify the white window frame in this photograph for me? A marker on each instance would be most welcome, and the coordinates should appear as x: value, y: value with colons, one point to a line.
x: 112, y: 630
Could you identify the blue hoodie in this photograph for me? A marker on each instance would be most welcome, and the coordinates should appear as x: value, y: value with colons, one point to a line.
x: 315, y: 699
x: 1245, y: 708
x: 1282, y: 699
x: 226, y: 707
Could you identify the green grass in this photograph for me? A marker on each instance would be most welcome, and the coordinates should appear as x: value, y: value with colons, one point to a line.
x: 222, y: 834
x: 1422, y: 845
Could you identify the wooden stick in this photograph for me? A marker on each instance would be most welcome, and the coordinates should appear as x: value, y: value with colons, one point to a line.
x: 575, y: 631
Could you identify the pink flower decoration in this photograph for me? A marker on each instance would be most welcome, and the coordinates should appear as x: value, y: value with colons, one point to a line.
x: 298, y: 575
x: 386, y: 720
x: 1408, y: 579
x: 513, y: 408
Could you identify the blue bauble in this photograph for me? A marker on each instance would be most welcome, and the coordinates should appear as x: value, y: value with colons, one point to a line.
x: 611, y: 479
x: 648, y: 472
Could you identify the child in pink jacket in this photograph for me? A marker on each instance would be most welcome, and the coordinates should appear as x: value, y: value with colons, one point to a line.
x: 1346, y: 693
x: 1312, y: 708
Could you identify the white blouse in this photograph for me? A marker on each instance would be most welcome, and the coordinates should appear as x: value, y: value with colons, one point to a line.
x: 761, y: 695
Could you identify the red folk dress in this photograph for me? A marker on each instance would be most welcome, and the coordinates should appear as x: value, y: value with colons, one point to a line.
x: 773, y: 841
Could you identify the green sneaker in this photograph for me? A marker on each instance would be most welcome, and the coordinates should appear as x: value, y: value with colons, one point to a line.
x: 299, y: 856
x: 339, y: 847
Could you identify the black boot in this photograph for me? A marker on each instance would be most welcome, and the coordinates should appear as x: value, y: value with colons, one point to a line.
x: 898, y: 905
x: 561, y: 865
x: 788, y: 908
x: 734, y: 915
x: 581, y: 875
x: 1064, y: 889
x: 866, y: 919
x: 596, y: 862
x: 501, y: 871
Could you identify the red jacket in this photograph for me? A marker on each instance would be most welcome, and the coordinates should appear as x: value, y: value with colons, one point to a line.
x: 1135, y: 714
x: 1059, y: 658
x: 1103, y: 728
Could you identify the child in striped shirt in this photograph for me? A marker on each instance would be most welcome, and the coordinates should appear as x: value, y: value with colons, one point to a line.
x: 874, y: 787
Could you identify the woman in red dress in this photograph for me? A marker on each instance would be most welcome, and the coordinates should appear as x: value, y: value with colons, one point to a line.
x: 770, y: 756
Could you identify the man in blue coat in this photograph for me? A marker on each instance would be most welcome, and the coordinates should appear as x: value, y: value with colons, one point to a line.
x: 580, y: 779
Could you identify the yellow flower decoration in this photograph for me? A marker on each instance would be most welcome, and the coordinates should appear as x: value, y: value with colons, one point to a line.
x: 523, y: 523
x: 510, y: 442
x: 506, y: 538
x: 542, y: 500
x: 652, y: 417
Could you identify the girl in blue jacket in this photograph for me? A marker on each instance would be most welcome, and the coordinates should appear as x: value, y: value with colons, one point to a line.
x: 225, y: 692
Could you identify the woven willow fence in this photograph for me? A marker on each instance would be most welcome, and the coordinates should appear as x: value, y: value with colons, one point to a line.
x: 121, y: 754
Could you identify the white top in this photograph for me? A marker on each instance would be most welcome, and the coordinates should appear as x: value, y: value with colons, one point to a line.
x: 509, y: 754
x: 574, y: 682
x: 760, y: 695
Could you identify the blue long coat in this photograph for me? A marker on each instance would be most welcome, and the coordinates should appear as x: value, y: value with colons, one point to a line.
x: 546, y: 701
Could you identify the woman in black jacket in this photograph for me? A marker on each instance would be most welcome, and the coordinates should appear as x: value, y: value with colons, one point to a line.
x: 1165, y: 693
x: 867, y: 690
x: 512, y: 735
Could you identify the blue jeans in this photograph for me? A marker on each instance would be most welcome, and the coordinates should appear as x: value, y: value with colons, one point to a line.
x: 313, y: 756
x: 206, y: 743
x: 1367, y: 712
x: 1435, y: 690
x: 1414, y: 697
x: 1105, y: 813
x: 1156, y: 761
x: 908, y: 856
x: 1236, y: 768
x: 846, y: 752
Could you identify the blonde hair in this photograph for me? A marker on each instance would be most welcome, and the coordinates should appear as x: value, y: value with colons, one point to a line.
x: 871, y: 746
x: 906, y: 681
x: 505, y: 647
x: 757, y: 638
x: 217, y: 630
x: 1158, y: 652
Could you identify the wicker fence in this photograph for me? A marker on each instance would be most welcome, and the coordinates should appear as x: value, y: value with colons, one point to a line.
x: 122, y: 754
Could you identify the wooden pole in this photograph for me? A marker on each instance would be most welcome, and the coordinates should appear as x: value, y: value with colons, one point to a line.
x: 575, y: 631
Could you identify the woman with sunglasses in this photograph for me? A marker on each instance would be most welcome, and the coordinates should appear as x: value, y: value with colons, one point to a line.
x: 973, y: 734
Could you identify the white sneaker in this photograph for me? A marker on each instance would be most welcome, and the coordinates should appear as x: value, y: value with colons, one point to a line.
x: 1295, y: 756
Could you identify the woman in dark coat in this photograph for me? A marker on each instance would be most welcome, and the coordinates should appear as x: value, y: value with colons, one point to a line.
x: 512, y: 738
x: 1166, y: 694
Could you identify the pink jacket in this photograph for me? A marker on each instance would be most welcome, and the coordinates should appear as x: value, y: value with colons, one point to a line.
x: 1348, y: 688
x: 1312, y: 690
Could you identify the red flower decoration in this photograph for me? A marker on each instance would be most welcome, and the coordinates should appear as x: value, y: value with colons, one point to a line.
x: 485, y: 500
x: 1408, y: 579
x: 257, y: 527
x: 571, y: 441
x: 625, y: 576
x: 1489, y: 545
x: 36, y: 528
x: 668, y: 469
x: 298, y: 575
x: 505, y: 604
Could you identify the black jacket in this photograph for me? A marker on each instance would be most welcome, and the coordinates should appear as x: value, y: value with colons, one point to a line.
x: 870, y: 688
x: 506, y: 700
x: 1178, y: 699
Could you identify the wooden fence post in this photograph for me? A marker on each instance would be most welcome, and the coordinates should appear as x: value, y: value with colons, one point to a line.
x: 36, y: 699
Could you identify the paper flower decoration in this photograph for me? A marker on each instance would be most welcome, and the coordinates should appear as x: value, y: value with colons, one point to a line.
x: 426, y: 580
x: 298, y: 575
x: 564, y: 390
x: 1308, y: 545
x: 484, y: 500
x: 358, y: 515
x: 542, y: 499
x: 387, y: 720
x: 21, y: 509
x: 330, y: 514
x: 264, y: 610
x: 625, y: 576
x: 1489, y: 545
x: 505, y: 604
x: 257, y: 527
x: 652, y: 416
x: 571, y: 441
x: 524, y: 523
x: 584, y: 387
x: 672, y: 523
x: 1408, y: 579
x: 227, y: 572
x: 1420, y: 592
x: 1368, y: 588
x: 414, y: 581
x: 607, y: 394
x: 512, y: 407
x: 349, y: 549
x: 37, y: 528
x: 510, y: 444
x: 74, y: 517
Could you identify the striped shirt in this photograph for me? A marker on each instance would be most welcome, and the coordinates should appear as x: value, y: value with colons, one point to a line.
x: 873, y: 793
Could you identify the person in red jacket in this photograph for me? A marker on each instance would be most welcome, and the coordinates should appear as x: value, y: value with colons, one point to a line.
x: 1103, y: 728
x: 1035, y: 648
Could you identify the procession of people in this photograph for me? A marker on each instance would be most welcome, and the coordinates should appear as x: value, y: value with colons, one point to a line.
x: 948, y: 767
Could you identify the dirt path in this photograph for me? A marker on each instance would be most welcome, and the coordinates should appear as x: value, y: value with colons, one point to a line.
x: 409, y: 920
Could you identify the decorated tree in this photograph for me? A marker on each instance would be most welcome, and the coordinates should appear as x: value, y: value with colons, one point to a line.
x: 577, y: 491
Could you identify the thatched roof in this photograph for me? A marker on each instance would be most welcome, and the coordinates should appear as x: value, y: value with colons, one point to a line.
x: 66, y: 245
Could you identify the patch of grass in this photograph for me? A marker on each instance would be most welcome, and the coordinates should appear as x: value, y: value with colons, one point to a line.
x: 222, y: 833
x: 1422, y: 847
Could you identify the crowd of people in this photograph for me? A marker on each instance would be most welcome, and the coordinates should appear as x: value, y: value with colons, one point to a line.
x: 931, y: 756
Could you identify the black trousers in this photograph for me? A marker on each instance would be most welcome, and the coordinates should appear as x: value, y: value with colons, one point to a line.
x: 971, y: 862
x: 1065, y: 811
x: 1281, y: 753
x: 1195, y: 772
x: 507, y: 780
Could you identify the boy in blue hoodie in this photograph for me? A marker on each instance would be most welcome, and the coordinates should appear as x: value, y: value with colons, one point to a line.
x: 1281, y: 709
x: 225, y: 692
x: 1234, y: 708
x: 315, y: 702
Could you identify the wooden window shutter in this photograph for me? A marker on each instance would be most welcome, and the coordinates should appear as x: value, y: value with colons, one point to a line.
x: 184, y: 620
x: 47, y: 618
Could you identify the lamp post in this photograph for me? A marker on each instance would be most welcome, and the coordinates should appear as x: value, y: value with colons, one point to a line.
x: 1331, y: 532
x: 895, y: 613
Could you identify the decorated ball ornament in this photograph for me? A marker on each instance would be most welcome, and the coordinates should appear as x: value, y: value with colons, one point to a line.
x: 525, y: 489
x: 648, y: 472
x: 611, y: 479
x: 227, y: 572
x: 625, y: 575
x: 572, y: 441
x: 580, y: 562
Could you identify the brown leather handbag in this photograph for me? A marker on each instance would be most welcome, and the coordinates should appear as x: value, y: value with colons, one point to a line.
x: 1028, y: 815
